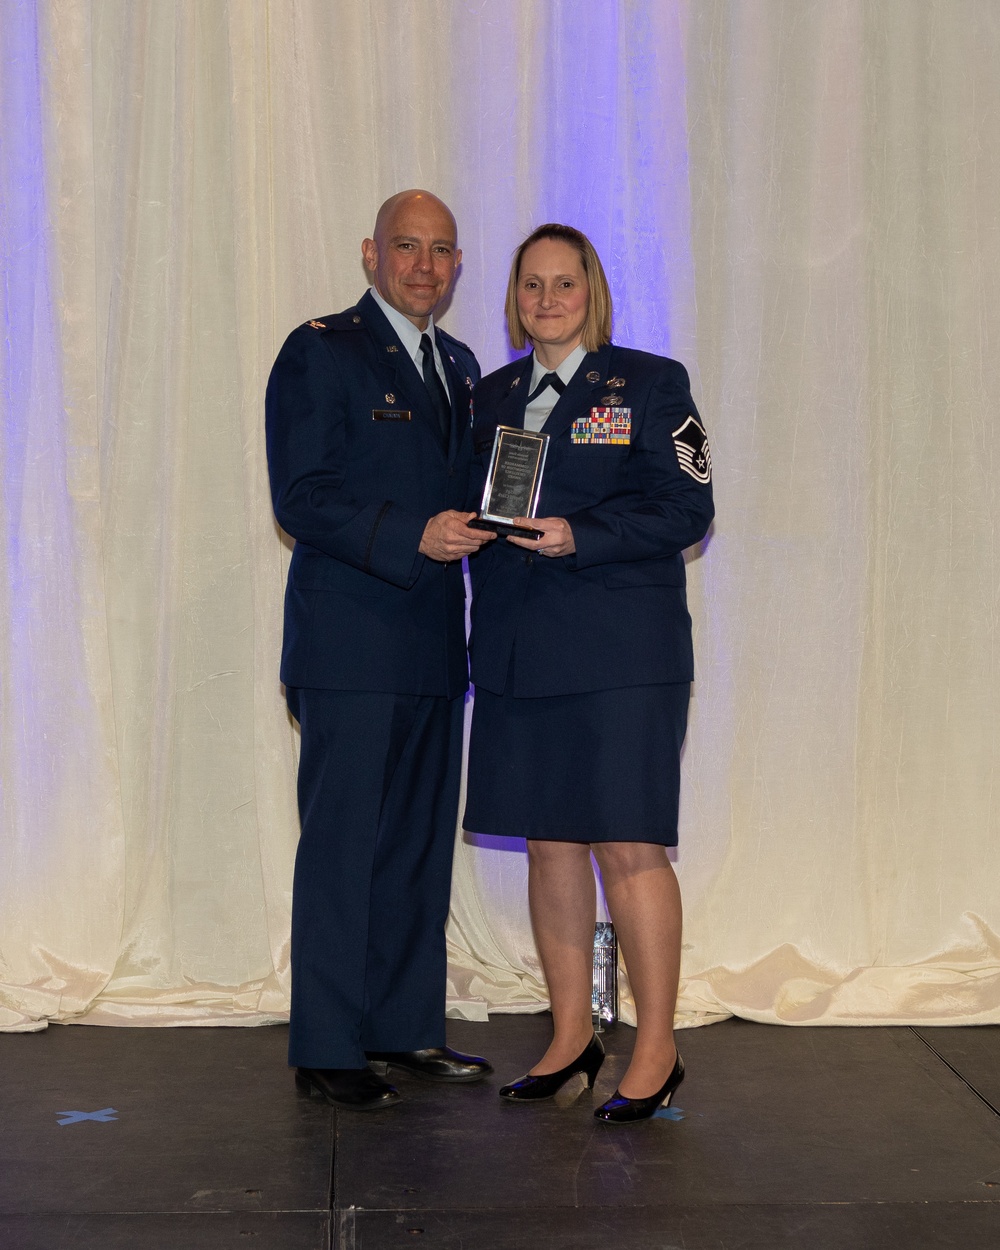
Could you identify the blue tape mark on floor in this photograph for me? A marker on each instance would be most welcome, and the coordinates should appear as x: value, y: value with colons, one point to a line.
x: 669, y: 1113
x: 104, y: 1116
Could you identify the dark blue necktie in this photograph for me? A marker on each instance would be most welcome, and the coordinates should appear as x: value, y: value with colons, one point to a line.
x: 550, y: 379
x: 435, y: 387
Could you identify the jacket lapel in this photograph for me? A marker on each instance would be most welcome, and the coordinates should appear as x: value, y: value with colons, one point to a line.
x: 461, y: 395
x: 510, y: 409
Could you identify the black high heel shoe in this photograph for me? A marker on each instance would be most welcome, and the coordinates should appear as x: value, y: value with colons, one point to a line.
x: 621, y: 1110
x: 535, y: 1088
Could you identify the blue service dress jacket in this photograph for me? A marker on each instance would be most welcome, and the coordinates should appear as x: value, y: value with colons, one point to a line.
x: 358, y: 465
x: 629, y: 467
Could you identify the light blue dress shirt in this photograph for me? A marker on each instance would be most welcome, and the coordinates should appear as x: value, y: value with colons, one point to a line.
x: 410, y: 337
x: 537, y: 412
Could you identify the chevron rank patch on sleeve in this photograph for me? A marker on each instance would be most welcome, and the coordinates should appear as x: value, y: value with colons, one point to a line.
x: 693, y: 454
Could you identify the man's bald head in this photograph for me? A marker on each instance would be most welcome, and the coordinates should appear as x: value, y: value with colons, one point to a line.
x: 413, y: 253
x: 403, y: 199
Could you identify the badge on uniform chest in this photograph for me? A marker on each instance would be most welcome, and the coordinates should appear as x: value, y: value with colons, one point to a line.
x: 603, y: 425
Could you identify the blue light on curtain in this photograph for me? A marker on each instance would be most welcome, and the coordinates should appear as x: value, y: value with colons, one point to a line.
x: 37, y: 580
x: 611, y: 137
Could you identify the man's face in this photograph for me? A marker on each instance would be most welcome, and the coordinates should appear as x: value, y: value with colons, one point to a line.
x: 413, y: 257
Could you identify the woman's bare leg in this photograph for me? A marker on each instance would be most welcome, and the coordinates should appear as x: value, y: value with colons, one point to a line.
x: 562, y: 895
x: 644, y: 901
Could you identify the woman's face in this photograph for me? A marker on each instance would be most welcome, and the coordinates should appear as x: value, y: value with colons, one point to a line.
x: 553, y: 296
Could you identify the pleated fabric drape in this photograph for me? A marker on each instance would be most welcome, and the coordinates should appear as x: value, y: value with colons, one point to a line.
x: 797, y: 198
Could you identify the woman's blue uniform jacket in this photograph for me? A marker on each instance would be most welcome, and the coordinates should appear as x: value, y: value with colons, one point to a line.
x: 358, y: 465
x: 614, y: 613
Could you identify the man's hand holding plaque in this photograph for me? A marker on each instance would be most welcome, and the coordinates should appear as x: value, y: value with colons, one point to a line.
x: 513, y: 482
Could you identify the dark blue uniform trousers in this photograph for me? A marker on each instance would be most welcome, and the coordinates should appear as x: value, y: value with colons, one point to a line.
x: 378, y: 797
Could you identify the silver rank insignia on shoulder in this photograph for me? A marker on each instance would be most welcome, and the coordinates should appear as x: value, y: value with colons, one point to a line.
x: 390, y: 347
x: 318, y: 325
x: 390, y: 398
x: 616, y: 381
x: 612, y: 400
x: 594, y: 376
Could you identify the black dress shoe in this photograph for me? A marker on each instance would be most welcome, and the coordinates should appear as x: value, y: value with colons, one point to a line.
x: 354, y: 1089
x: 535, y: 1088
x: 621, y: 1110
x: 436, y: 1063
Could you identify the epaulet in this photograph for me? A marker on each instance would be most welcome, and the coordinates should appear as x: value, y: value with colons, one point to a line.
x: 451, y: 339
x: 350, y: 319
x: 511, y: 369
x: 506, y: 377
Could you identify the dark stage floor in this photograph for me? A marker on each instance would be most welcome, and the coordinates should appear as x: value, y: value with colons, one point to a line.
x: 818, y: 1138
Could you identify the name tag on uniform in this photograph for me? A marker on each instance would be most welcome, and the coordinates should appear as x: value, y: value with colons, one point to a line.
x: 390, y: 414
x: 603, y: 425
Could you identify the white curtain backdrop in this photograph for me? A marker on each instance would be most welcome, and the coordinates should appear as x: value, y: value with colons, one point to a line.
x: 797, y: 198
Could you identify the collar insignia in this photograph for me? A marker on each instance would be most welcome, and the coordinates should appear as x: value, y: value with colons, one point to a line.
x: 594, y: 376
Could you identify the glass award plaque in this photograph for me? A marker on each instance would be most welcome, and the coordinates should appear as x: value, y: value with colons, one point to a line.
x: 513, y: 481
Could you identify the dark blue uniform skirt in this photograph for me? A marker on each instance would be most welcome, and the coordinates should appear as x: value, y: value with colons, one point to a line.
x: 597, y: 767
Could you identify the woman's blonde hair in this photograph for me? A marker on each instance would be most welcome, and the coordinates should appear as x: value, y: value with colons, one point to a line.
x: 597, y: 327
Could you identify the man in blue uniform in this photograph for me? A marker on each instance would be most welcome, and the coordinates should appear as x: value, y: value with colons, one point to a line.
x: 368, y: 447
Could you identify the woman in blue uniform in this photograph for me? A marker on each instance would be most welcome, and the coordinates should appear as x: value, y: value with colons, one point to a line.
x: 582, y: 658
